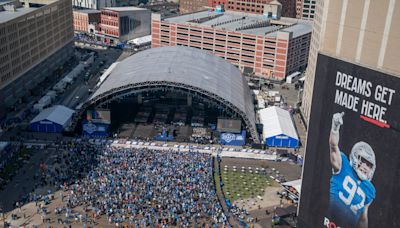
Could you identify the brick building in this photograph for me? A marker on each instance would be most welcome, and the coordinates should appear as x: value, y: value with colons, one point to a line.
x: 268, y: 48
x: 119, y: 24
x: 189, y: 6
x: 84, y: 18
x: 255, y: 7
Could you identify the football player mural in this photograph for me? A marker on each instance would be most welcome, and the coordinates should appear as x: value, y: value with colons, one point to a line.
x: 351, y: 167
x: 351, y: 190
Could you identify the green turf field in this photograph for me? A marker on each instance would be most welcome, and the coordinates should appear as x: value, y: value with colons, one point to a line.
x: 243, y: 185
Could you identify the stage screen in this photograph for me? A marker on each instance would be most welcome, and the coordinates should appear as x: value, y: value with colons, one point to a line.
x: 229, y: 125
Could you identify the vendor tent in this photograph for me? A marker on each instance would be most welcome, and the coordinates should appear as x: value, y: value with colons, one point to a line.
x: 278, y: 128
x: 54, y: 119
x: 141, y: 40
x: 293, y: 189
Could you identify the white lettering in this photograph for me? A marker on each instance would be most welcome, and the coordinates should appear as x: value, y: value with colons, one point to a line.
x: 349, y: 79
x: 368, y: 89
x: 373, y: 111
x: 338, y: 78
x: 346, y: 100
x: 353, y: 84
x: 384, y: 94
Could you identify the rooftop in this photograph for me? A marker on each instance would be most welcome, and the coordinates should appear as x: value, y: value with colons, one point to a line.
x: 58, y: 114
x: 245, y: 23
x: 87, y: 11
x: 126, y: 8
x: 185, y: 67
x: 10, y: 15
x: 297, y: 30
x: 4, y: 2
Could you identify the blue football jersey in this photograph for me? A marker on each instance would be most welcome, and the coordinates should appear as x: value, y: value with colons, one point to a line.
x: 348, y: 195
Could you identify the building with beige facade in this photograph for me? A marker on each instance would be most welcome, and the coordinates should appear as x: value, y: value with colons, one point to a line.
x: 35, y: 39
x: 305, y: 9
x: 362, y: 32
x: 190, y: 6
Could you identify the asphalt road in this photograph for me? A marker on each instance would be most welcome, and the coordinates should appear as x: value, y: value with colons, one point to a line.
x: 78, y: 92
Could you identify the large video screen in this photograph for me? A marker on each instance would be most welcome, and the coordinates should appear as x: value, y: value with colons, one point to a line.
x: 99, y: 116
x: 229, y: 125
x: 351, y: 175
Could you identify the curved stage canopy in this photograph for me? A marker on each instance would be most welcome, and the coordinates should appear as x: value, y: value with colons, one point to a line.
x: 194, y: 70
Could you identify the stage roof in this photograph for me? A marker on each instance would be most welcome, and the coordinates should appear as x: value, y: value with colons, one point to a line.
x: 185, y: 67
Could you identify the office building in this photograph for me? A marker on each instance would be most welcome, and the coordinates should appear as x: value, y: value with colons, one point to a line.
x: 35, y: 40
x: 351, y: 104
x: 305, y: 9
x: 362, y: 32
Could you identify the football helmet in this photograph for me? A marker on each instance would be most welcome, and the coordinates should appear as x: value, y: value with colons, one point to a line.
x: 362, y: 152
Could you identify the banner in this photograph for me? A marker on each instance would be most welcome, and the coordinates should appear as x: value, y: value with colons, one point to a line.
x: 94, y: 129
x: 233, y: 139
x: 351, y: 171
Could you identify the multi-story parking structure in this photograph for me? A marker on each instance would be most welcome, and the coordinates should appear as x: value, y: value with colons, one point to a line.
x: 266, y: 47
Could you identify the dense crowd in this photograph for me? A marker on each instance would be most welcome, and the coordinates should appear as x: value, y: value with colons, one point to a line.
x: 140, y: 187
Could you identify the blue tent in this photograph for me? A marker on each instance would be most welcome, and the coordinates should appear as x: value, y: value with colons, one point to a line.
x: 51, y: 120
x: 278, y: 128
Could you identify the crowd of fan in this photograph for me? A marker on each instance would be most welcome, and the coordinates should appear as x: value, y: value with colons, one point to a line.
x: 141, y: 187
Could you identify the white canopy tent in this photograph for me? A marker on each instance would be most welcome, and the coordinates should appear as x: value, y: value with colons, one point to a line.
x: 141, y: 40
x: 278, y: 127
x: 293, y: 189
x: 53, y: 119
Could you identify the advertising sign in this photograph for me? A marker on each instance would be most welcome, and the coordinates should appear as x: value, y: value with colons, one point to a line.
x: 351, y: 171
x: 95, y: 129
x: 233, y: 139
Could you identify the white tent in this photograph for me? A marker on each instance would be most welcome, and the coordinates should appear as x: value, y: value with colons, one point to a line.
x: 53, y: 119
x: 141, y: 40
x: 296, y: 184
x: 278, y: 127
x: 107, y: 73
x: 293, y: 189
